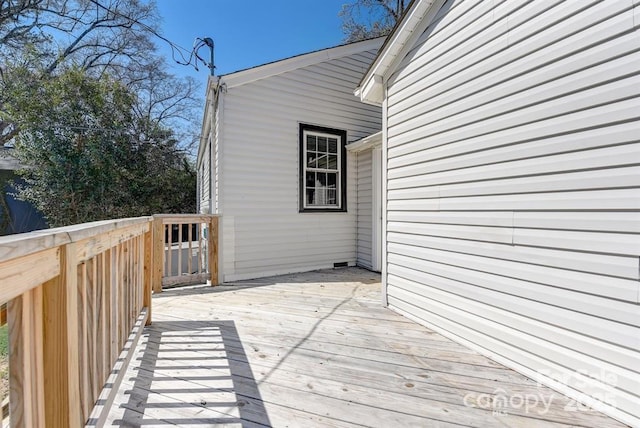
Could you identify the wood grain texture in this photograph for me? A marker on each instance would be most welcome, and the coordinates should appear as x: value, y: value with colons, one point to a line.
x: 182, y: 218
x: 158, y: 255
x: 116, y: 376
x: 74, y: 294
x: 26, y: 375
x: 61, y: 344
x: 22, y: 244
x: 314, y: 349
x: 27, y: 272
x: 90, y: 247
x: 83, y: 341
x: 148, y: 272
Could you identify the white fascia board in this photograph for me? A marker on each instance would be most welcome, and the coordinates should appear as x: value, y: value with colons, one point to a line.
x: 289, y: 64
x: 368, y: 142
x: 373, y: 89
x: 212, y: 83
x: 408, y: 30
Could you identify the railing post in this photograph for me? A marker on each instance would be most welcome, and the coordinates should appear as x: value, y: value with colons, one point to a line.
x: 26, y: 401
x: 61, y: 366
x: 212, y: 248
x: 148, y: 271
x: 158, y: 254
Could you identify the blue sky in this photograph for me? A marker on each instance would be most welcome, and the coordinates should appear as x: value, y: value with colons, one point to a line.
x: 247, y: 33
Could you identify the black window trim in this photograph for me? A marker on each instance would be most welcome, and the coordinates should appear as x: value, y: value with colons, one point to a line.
x: 343, y: 168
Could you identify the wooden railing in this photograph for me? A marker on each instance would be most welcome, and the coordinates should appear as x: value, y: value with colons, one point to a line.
x: 4, y: 400
x: 75, y: 296
x: 189, y: 247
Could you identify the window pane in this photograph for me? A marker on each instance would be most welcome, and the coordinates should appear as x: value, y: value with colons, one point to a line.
x: 322, y: 171
x: 311, y: 196
x: 322, y: 144
x: 331, y: 197
x: 322, y: 179
x: 311, y: 179
x: 333, y: 162
x: 322, y: 161
x: 311, y: 160
x: 331, y: 180
x: 311, y: 142
x: 333, y: 145
x: 321, y: 196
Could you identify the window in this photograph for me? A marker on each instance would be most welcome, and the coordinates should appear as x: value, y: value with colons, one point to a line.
x: 323, y: 164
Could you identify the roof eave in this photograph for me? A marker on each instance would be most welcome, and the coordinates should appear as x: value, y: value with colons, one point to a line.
x: 368, y: 142
x: 293, y: 63
x: 372, y: 92
x: 212, y: 83
x: 371, y: 87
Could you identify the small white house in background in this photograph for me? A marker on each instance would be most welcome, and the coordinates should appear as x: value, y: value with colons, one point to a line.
x: 281, y: 161
x: 511, y: 153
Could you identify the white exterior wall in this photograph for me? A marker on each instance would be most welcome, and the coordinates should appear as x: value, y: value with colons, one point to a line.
x: 513, y: 192
x: 364, y: 208
x: 262, y: 231
x: 204, y: 180
x: 216, y: 154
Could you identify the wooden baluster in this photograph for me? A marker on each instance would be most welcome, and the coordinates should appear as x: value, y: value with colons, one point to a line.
x: 114, y: 292
x: 148, y: 271
x: 213, y: 250
x: 179, y: 250
x: 170, y: 250
x: 190, y: 258
x: 83, y: 344
x: 201, y: 260
x: 61, y: 367
x: 26, y: 365
x: 158, y: 255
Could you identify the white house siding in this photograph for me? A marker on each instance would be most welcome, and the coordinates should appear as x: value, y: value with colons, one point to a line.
x: 364, y: 208
x: 513, y: 193
x: 204, y: 180
x: 263, y: 233
x: 215, y: 161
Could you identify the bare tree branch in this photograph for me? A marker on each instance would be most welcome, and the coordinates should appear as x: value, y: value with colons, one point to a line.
x: 364, y: 19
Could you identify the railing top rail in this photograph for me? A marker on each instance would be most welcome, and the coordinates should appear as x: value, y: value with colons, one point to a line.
x: 185, y: 218
x: 23, y: 244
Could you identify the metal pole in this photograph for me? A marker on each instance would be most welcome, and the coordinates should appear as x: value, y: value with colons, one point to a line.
x: 209, y: 42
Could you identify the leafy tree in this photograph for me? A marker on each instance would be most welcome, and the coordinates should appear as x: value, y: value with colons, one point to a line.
x: 365, y: 19
x: 90, y: 156
x: 102, y: 37
x: 92, y: 110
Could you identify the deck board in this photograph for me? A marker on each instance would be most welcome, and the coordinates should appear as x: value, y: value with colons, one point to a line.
x: 313, y: 349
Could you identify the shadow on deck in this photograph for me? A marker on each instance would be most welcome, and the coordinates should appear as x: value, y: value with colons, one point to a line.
x: 191, y: 373
x: 316, y: 350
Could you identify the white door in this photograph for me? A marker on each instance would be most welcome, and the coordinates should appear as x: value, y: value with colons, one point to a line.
x: 376, y: 224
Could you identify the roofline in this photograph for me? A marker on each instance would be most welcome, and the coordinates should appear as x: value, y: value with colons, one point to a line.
x: 248, y: 75
x: 417, y: 17
x: 373, y: 140
x: 212, y: 82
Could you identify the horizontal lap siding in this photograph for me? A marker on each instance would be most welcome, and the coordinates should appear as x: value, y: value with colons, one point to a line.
x: 263, y: 232
x: 365, y: 209
x: 215, y: 162
x: 513, y: 201
x: 204, y: 181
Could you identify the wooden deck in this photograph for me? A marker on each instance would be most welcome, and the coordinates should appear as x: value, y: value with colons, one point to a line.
x: 315, y: 350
